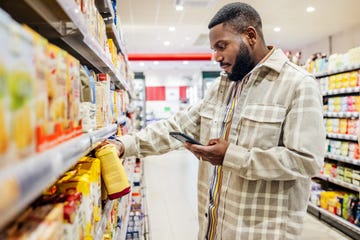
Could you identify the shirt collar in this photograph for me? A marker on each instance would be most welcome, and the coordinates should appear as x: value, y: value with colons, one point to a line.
x: 275, y: 59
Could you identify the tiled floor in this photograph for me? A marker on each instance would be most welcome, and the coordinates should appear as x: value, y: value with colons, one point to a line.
x: 170, y: 182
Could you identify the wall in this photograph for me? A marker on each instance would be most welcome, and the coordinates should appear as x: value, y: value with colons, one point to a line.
x: 172, y: 78
x: 341, y: 42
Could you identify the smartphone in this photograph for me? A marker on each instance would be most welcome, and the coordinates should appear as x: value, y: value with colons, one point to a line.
x: 184, y: 138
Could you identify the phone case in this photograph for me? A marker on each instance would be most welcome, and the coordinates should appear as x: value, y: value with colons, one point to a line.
x: 184, y: 138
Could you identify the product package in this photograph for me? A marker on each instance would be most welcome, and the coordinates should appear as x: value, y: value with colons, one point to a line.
x: 5, y: 114
x: 113, y: 173
x: 73, y: 120
x: 40, y: 45
x: 21, y: 89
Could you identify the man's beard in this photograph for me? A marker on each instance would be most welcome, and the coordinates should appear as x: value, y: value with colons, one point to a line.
x: 243, y: 64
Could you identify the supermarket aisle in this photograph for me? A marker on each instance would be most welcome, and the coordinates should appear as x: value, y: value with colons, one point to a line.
x: 171, y: 197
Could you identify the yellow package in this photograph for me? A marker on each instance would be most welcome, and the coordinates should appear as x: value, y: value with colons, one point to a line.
x: 92, y: 167
x: 57, y: 87
x: 73, y: 89
x: 81, y: 183
x: 43, y: 223
x: 21, y: 90
x: 343, y: 126
x: 353, y: 79
x: 40, y: 45
x: 5, y: 114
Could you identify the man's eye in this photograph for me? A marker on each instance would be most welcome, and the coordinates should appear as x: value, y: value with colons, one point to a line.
x: 221, y: 47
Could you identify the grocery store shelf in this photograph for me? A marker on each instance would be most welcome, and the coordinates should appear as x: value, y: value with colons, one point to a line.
x: 338, y: 71
x: 105, y: 8
x: 32, y: 175
x: 342, y: 136
x: 342, y: 114
x: 124, y: 211
x: 341, y: 91
x: 99, y: 58
x: 62, y: 22
x: 348, y: 228
x: 340, y: 183
x: 99, y: 233
x: 343, y: 159
x: 102, y: 134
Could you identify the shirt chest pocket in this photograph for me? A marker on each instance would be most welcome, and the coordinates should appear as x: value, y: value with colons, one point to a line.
x: 261, y: 126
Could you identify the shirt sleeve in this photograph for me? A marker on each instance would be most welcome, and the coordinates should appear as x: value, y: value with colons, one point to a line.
x: 155, y: 138
x: 301, y: 153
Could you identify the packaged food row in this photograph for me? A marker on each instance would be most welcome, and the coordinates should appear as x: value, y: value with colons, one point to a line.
x: 74, y: 204
x: 96, y: 28
x: 341, y: 172
x: 46, y: 95
x: 341, y: 203
x: 343, y: 104
x: 340, y: 81
x: 335, y: 61
x: 343, y: 148
x: 342, y: 126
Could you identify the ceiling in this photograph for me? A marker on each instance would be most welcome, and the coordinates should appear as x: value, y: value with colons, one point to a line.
x: 145, y: 25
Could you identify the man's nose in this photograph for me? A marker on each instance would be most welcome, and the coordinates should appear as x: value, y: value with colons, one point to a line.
x: 218, y: 57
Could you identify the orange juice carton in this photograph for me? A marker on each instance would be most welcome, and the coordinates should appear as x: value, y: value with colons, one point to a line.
x: 21, y: 89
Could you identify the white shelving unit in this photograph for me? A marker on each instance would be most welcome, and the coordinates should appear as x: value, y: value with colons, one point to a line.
x: 343, y: 159
x: 342, y: 136
x: 342, y: 114
x: 338, y: 71
x: 36, y: 173
x: 62, y: 22
x: 334, y: 220
x: 340, y: 183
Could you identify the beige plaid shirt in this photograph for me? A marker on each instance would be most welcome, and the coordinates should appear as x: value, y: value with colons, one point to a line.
x: 277, y: 143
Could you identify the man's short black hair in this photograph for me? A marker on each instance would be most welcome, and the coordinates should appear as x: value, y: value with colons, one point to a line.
x: 239, y: 16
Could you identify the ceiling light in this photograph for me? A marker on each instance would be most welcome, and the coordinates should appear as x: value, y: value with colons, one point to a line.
x: 142, y: 64
x: 179, y: 7
x: 171, y: 28
x: 185, y: 62
x: 187, y: 38
x: 156, y: 62
x: 310, y: 9
x: 277, y: 29
x: 166, y: 43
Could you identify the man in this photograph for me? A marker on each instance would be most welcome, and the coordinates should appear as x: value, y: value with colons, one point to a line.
x: 262, y: 123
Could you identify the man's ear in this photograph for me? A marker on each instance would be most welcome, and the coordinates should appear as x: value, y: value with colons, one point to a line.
x: 251, y: 36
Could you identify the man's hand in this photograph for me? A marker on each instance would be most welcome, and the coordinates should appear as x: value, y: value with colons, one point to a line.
x: 213, y: 152
x: 117, y: 144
